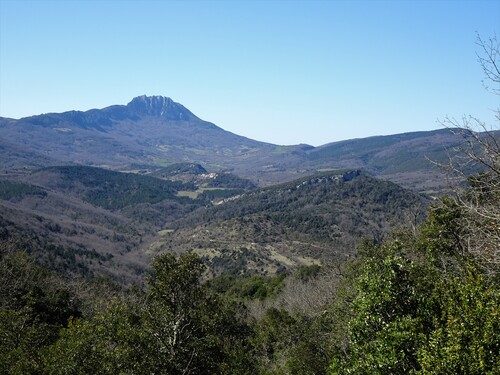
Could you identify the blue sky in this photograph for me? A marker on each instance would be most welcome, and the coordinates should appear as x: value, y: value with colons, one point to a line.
x: 285, y: 72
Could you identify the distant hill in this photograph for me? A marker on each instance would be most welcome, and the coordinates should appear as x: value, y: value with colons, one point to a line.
x: 388, y: 154
x: 407, y: 158
x: 155, y: 132
x: 109, y: 189
x: 195, y: 173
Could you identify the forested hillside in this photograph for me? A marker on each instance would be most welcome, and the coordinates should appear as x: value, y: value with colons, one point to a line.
x: 90, y: 221
x: 309, y: 221
x: 423, y: 299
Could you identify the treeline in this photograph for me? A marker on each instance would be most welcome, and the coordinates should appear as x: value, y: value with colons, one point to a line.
x: 231, y: 181
x: 328, y: 216
x: 17, y: 190
x: 326, y: 200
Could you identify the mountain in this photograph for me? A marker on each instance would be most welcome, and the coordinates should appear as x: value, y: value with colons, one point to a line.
x: 407, y: 159
x: 147, y: 131
x: 154, y: 131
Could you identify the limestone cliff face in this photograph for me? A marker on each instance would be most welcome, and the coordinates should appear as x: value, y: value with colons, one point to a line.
x: 159, y: 106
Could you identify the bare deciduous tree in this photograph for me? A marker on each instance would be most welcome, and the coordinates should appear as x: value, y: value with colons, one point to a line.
x: 480, y: 154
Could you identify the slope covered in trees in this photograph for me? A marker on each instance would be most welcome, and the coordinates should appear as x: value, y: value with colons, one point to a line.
x: 92, y: 221
x: 316, y: 219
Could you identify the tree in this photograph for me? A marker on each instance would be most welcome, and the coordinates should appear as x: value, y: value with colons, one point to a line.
x: 429, y: 303
x: 190, y: 330
x: 466, y: 337
x: 480, y: 151
x: 391, y: 312
x: 110, y: 342
x: 177, y: 326
x: 34, y: 305
x: 422, y: 307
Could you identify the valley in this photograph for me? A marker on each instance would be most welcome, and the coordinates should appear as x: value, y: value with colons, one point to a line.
x: 307, y: 187
x: 141, y: 238
x: 124, y: 219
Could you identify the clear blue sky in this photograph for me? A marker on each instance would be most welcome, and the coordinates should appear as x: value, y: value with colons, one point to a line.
x: 285, y: 72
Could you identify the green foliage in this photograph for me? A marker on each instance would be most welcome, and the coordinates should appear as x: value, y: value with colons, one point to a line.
x: 115, y: 190
x: 388, y: 324
x: 69, y: 261
x: 191, y: 330
x: 25, y: 284
x: 248, y: 287
x: 110, y: 342
x: 466, y: 339
x: 441, y: 233
x: 287, y: 343
x: 176, y: 327
x: 17, y: 190
x: 306, y: 273
x: 34, y: 305
x: 422, y: 306
x: 22, y: 336
x: 276, y: 332
x: 175, y: 318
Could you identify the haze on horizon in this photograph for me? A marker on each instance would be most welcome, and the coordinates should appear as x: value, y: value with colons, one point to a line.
x: 284, y: 72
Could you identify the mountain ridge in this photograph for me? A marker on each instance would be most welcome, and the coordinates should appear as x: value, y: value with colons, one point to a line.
x: 155, y: 106
x: 155, y: 131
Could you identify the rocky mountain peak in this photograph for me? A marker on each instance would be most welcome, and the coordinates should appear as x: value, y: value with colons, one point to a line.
x: 159, y: 106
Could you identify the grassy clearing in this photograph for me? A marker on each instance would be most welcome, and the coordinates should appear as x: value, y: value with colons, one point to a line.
x: 196, y: 193
x: 162, y: 162
x: 164, y: 232
x: 280, y: 258
x: 189, y: 194
x: 308, y: 261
